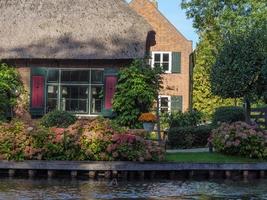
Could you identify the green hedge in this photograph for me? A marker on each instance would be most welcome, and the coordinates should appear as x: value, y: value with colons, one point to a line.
x: 184, y: 119
x: 188, y: 137
x: 228, y: 114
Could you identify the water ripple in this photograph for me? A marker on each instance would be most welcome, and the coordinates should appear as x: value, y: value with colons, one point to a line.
x: 25, y: 189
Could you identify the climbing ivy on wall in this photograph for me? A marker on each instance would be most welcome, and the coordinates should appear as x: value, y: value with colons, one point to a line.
x: 10, y: 83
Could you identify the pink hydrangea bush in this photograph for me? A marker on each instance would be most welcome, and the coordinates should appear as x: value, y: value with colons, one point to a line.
x: 16, y: 142
x: 100, y: 141
x: 134, y: 148
x: 240, y: 138
x: 84, y: 140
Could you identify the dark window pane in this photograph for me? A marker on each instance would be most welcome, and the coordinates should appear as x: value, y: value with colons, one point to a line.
x: 83, y: 92
x: 157, y: 57
x: 165, y: 66
x: 165, y: 57
x: 74, y: 92
x: 74, y: 99
x: 75, y: 76
x: 97, y: 76
x: 75, y: 106
x: 164, y: 102
x: 82, y: 104
x: 52, y: 75
x: 156, y: 64
x: 96, y: 99
x: 65, y: 76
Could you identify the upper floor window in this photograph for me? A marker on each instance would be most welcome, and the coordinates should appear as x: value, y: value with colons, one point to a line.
x: 162, y: 59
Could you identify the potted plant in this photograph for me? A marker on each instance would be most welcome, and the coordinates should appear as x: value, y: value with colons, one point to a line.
x: 148, y: 120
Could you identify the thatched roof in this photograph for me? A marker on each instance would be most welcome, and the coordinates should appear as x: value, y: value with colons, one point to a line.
x: 71, y: 29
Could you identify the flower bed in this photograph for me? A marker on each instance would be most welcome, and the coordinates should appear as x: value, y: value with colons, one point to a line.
x: 94, y: 140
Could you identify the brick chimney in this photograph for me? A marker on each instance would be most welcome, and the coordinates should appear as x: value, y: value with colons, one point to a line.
x: 155, y: 2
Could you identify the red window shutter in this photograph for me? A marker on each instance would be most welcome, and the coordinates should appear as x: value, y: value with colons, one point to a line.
x: 37, y: 91
x: 110, y: 87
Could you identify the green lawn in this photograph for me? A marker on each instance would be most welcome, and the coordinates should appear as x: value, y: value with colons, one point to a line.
x: 206, y: 157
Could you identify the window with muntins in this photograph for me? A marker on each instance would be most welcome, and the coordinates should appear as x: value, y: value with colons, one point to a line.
x: 164, y: 104
x: 162, y: 59
x: 79, y: 91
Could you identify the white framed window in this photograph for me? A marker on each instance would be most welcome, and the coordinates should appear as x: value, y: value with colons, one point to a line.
x: 79, y: 91
x: 164, y: 104
x: 163, y: 59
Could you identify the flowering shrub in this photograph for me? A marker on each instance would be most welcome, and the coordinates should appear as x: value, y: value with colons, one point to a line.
x: 147, y: 117
x: 134, y: 148
x: 84, y: 140
x: 15, y: 141
x: 240, y: 138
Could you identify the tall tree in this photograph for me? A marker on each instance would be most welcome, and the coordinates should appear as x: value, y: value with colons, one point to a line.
x: 203, y: 98
x: 213, y: 20
x: 240, y: 66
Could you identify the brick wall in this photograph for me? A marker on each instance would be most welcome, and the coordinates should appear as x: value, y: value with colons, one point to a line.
x: 25, y: 77
x: 168, y: 39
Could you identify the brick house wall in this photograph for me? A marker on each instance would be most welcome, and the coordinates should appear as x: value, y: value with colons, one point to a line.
x: 168, y: 39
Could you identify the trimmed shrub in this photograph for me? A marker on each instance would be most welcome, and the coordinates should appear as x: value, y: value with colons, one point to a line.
x: 241, y: 139
x: 180, y: 119
x: 57, y: 118
x: 228, y: 114
x: 188, y: 137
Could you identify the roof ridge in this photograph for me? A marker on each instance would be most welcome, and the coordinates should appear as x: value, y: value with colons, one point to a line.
x: 171, y: 24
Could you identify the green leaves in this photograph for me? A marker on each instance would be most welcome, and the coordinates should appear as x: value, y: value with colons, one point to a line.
x: 224, y: 16
x: 203, y: 98
x: 239, y: 67
x: 215, y: 21
x: 137, y: 88
x: 9, y: 82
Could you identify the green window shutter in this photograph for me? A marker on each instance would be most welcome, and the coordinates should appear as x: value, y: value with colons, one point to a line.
x: 176, y: 103
x: 176, y: 62
x: 38, y: 71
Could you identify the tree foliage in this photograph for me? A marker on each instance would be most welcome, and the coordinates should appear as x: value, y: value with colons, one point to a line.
x: 224, y: 16
x: 9, y: 84
x: 214, y: 20
x: 137, y: 88
x: 239, y: 70
x: 203, y: 98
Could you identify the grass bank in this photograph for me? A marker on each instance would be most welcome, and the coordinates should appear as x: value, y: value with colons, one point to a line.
x: 205, y: 157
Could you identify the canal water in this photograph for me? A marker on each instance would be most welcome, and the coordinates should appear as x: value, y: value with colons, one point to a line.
x: 26, y: 189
